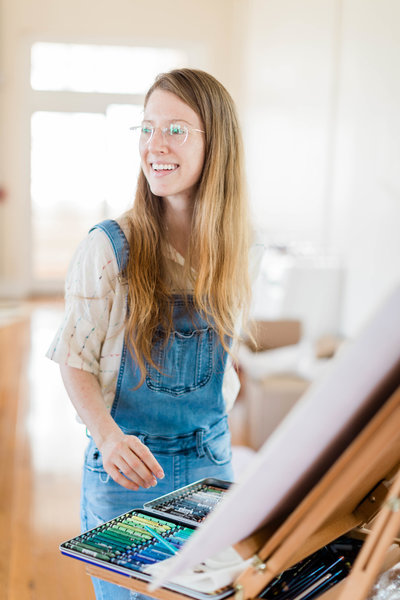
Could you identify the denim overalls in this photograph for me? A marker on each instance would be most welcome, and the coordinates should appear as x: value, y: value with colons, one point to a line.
x: 179, y: 413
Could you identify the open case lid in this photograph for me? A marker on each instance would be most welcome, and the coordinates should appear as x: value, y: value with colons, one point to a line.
x: 174, y: 502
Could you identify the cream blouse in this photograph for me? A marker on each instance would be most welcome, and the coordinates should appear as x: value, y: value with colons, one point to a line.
x: 91, y: 335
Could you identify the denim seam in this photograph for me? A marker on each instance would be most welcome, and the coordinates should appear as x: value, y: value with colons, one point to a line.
x: 199, y: 361
x: 119, y: 381
x: 200, y: 443
x: 176, y: 466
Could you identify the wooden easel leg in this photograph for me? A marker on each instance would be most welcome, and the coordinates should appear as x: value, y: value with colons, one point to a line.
x: 369, y: 561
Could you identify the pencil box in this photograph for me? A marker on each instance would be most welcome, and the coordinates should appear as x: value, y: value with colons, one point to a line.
x: 131, y: 542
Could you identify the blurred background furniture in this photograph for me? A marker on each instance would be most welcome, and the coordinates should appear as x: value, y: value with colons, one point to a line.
x: 294, y: 332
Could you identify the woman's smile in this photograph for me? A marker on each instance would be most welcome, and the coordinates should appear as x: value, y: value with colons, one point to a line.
x: 164, y: 168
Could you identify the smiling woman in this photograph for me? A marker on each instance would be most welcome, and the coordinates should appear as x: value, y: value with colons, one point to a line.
x: 152, y: 306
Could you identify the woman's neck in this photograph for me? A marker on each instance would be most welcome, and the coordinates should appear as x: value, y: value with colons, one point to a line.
x: 178, y: 220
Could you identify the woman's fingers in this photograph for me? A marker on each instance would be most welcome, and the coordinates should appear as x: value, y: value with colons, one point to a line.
x: 118, y: 477
x: 133, y: 468
x: 146, y: 457
x: 130, y: 463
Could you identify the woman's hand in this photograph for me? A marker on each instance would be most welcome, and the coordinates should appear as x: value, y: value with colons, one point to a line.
x: 129, y: 462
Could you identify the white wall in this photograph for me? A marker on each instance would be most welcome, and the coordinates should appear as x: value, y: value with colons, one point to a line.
x: 324, y: 157
x: 290, y: 82
x: 365, y: 223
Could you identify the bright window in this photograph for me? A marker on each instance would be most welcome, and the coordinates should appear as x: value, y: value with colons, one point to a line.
x: 105, y: 69
x: 84, y: 168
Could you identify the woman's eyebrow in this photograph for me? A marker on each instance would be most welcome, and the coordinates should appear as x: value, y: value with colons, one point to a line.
x: 171, y: 120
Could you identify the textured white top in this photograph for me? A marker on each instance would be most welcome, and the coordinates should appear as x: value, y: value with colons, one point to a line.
x: 91, y: 335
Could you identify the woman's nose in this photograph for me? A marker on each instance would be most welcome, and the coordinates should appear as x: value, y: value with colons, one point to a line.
x: 157, y: 140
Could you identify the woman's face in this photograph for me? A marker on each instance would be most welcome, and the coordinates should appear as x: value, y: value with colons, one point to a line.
x: 171, y: 168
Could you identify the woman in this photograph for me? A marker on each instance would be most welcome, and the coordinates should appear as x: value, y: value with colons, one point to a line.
x: 152, y: 301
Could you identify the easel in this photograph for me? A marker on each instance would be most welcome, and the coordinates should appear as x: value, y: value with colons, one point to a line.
x: 348, y: 496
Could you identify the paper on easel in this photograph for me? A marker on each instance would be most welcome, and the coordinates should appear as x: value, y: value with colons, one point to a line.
x: 303, y: 438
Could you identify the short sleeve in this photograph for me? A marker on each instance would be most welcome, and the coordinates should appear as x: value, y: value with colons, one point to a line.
x: 92, y: 285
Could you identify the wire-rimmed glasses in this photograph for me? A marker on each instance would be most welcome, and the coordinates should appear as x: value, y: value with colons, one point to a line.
x: 175, y: 134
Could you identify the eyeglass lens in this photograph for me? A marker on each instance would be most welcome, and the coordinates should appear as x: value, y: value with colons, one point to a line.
x: 175, y: 134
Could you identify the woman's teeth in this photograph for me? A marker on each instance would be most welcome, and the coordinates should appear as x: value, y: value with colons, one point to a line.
x: 161, y: 167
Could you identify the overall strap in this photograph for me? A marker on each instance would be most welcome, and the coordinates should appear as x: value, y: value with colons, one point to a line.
x: 118, y: 241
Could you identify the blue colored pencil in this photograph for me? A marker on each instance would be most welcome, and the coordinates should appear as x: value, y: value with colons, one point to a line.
x: 158, y: 537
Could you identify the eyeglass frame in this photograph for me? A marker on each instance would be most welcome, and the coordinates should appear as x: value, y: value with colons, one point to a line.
x: 164, y: 132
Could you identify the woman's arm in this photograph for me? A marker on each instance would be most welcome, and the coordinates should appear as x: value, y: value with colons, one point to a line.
x: 128, y: 462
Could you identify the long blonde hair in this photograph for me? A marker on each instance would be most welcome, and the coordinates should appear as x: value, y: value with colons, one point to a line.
x: 219, y: 241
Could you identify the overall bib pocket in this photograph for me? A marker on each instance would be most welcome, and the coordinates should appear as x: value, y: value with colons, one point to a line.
x: 185, y: 361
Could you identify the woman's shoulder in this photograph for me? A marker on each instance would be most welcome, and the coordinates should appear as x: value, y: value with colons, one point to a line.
x: 94, y: 248
x: 99, y: 240
x: 106, y: 229
x: 94, y: 263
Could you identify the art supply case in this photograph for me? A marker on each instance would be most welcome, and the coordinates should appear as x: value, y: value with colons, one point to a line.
x: 125, y: 545
x: 160, y: 506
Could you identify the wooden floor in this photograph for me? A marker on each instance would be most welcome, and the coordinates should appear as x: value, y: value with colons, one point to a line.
x: 41, y: 448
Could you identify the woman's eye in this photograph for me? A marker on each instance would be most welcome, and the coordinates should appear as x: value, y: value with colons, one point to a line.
x: 146, y: 130
x: 176, y: 129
